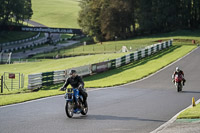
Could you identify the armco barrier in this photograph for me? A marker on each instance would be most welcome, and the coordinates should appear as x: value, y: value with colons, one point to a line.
x: 49, y: 78
x: 54, y: 77
x: 82, y: 71
x: 100, y: 67
x: 20, y: 41
x: 25, y: 47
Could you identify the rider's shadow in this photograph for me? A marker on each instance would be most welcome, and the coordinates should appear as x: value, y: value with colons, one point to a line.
x: 109, y: 117
x: 191, y: 92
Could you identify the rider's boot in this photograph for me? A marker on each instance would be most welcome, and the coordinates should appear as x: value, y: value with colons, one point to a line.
x: 85, y: 102
x: 184, y: 82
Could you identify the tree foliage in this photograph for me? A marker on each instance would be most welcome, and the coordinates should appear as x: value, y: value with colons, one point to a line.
x: 108, y: 19
x: 15, y: 11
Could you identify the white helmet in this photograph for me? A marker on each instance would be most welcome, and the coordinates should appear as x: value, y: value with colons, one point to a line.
x: 177, y: 69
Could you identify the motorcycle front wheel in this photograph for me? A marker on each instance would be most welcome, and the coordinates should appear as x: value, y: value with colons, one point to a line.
x: 69, y: 109
x: 179, y: 87
x: 85, y: 109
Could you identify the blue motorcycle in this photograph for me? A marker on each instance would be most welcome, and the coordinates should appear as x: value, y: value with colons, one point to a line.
x: 74, y: 103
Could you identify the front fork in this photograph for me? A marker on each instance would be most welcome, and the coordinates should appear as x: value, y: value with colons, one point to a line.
x: 74, y: 98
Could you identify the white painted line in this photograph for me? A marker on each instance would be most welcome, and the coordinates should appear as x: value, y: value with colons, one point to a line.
x: 165, y: 125
x: 102, y: 88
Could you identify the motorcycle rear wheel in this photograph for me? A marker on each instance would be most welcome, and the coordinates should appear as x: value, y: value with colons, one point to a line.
x: 69, y: 109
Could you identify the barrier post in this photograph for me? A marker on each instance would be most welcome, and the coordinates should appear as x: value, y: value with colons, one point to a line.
x: 1, y: 84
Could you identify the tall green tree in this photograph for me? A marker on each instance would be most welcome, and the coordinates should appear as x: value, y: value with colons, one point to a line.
x: 116, y: 19
x: 106, y: 19
x: 144, y: 16
x: 15, y: 11
x: 89, y: 19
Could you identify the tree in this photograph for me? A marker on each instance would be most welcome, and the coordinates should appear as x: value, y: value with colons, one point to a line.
x: 116, y: 19
x: 15, y: 10
x: 106, y: 19
x: 89, y: 19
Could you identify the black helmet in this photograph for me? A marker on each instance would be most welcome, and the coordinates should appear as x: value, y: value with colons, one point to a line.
x: 72, y: 71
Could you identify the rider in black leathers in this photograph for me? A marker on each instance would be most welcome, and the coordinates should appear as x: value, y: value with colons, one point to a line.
x: 76, y: 82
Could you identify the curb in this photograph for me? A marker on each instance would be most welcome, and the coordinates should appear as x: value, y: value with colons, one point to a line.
x: 173, y: 119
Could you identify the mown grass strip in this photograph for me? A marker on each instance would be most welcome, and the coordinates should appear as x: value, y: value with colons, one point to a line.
x: 54, y: 13
x: 190, y: 113
x: 9, y: 36
x: 111, y: 78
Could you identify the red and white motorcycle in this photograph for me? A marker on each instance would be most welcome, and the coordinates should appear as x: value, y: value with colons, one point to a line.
x: 178, y: 81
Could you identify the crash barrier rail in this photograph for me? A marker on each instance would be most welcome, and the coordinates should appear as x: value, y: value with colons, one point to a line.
x: 49, y: 78
x: 34, y: 44
x: 55, y: 77
x: 65, y: 39
x: 21, y: 41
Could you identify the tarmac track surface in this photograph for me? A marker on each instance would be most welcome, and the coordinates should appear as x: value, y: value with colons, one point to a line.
x: 138, y: 107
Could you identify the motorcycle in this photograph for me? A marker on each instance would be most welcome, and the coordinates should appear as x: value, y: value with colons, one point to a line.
x: 74, y: 103
x: 178, y: 81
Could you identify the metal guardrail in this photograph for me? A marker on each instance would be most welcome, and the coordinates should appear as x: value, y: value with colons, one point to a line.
x: 20, y: 41
x: 49, y: 78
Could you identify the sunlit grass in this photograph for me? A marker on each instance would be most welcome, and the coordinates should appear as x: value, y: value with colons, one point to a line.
x: 56, y: 13
x: 191, y: 113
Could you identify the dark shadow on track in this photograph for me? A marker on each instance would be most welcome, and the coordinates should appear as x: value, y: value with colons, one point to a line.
x: 190, y: 91
x: 109, y: 117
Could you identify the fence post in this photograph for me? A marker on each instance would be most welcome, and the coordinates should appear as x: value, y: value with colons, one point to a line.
x: 1, y: 84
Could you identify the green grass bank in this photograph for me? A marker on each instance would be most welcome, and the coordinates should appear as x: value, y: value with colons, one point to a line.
x: 9, y: 36
x: 140, y: 69
x: 190, y: 113
x: 56, y: 13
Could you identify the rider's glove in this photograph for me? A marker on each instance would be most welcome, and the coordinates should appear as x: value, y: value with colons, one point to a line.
x: 80, y: 86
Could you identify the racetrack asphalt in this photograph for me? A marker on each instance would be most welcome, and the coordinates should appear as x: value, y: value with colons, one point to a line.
x: 138, y: 107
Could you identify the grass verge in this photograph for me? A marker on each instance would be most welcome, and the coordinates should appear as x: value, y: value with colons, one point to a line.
x: 190, y: 113
x: 9, y: 36
x: 140, y: 69
x: 56, y: 13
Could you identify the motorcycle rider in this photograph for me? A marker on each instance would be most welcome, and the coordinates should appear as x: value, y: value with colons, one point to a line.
x: 179, y: 71
x: 76, y: 82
